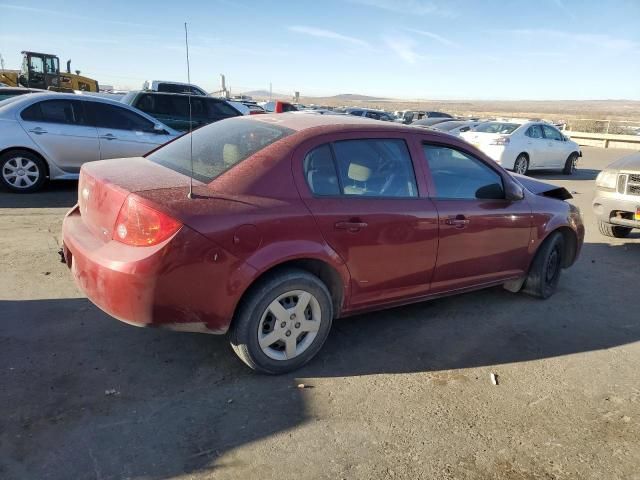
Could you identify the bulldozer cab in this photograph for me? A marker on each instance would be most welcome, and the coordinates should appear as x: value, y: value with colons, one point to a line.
x: 39, y: 70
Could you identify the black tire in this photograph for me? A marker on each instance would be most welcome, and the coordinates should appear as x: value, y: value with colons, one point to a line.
x: 544, y: 274
x: 246, y: 326
x: 570, y: 164
x: 524, y: 160
x: 35, y: 171
x: 613, y: 230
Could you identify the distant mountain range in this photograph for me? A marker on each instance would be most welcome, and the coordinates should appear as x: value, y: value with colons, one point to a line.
x: 343, y: 96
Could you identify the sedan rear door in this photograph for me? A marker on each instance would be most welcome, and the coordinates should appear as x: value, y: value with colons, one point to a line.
x: 536, y: 146
x: 364, y: 196
x: 124, y: 133
x: 61, y: 129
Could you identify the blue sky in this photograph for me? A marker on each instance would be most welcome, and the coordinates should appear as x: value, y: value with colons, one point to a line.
x: 542, y: 49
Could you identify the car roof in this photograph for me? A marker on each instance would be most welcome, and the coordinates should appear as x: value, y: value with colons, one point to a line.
x: 172, y: 94
x: 328, y: 123
x: 24, y: 99
x: 20, y: 89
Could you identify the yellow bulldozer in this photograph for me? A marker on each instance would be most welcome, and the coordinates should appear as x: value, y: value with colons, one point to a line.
x: 42, y: 70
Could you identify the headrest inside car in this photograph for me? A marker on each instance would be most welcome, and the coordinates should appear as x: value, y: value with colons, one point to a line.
x: 230, y: 154
x: 359, y: 173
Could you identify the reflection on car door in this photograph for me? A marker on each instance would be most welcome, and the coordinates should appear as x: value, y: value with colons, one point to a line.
x: 484, y: 238
x: 364, y: 197
x: 61, y: 130
x: 124, y: 133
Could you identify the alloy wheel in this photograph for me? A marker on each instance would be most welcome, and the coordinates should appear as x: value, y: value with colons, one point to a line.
x: 521, y: 165
x: 20, y: 172
x: 289, y: 325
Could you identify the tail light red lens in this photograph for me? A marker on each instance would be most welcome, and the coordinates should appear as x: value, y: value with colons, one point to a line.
x: 142, y: 226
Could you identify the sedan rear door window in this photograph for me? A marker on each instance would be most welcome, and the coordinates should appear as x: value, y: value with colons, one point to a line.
x: 534, y: 131
x: 320, y: 171
x: 460, y: 176
x: 375, y: 168
x: 69, y: 112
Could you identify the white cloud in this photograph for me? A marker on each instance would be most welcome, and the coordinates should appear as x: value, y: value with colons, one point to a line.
x: 594, y: 39
x: 403, y: 47
x: 408, y: 7
x: 434, y: 36
x: 322, y: 33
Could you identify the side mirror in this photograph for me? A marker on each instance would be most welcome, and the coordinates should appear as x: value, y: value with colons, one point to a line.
x: 157, y: 128
x: 513, y: 191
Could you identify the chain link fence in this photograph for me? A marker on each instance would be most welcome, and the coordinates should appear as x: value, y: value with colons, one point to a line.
x: 591, y: 125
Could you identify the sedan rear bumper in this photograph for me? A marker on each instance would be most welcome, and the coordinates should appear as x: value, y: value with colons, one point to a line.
x: 166, y: 286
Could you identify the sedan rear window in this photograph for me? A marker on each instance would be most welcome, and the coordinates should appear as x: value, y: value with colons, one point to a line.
x: 217, y: 147
x: 497, y: 127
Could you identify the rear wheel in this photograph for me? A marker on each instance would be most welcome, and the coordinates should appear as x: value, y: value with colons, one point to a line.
x: 570, y: 164
x: 521, y: 164
x: 544, y: 274
x: 22, y: 171
x: 283, y: 322
x: 613, y: 230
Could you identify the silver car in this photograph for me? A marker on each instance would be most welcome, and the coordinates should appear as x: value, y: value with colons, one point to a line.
x: 617, y: 200
x: 50, y: 136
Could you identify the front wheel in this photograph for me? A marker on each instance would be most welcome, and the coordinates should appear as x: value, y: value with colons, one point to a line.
x: 544, y: 274
x: 521, y: 164
x: 570, y: 164
x: 283, y: 322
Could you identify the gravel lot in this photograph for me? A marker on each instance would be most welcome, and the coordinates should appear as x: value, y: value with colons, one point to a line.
x: 403, y: 393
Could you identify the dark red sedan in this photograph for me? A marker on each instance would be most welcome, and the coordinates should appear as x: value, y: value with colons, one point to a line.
x: 296, y: 219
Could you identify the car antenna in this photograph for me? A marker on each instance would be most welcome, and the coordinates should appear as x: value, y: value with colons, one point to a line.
x: 186, y: 42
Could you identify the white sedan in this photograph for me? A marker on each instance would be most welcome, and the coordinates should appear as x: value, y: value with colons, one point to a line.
x: 50, y: 135
x: 525, y: 146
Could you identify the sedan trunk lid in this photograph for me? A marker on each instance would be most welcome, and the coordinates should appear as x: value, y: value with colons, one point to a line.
x: 104, y: 186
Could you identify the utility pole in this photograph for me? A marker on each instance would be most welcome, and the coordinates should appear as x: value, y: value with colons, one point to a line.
x: 270, y: 91
x: 1, y: 62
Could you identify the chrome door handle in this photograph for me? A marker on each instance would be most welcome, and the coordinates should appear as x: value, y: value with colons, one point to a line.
x: 108, y: 136
x: 38, y: 130
x: 351, y: 226
x: 458, y: 221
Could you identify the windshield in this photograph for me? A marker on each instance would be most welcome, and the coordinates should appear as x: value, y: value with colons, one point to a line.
x: 497, y: 127
x: 218, y: 147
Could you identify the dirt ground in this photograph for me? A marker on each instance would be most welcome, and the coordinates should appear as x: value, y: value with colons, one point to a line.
x: 404, y: 393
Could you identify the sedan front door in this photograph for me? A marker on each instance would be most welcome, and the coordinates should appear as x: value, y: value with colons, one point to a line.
x: 364, y: 197
x: 123, y: 133
x: 484, y: 237
x: 61, y: 130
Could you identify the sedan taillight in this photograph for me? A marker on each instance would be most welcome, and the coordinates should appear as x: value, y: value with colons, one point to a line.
x: 142, y: 226
x: 500, y: 141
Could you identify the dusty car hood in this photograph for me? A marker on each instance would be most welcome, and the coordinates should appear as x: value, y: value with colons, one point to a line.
x: 542, y: 188
x: 630, y: 162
